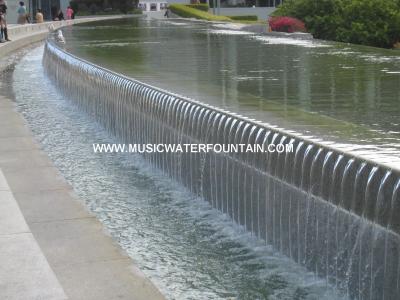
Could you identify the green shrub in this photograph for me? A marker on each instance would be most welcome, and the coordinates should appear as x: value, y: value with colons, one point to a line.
x: 188, y: 12
x: 372, y: 22
x: 202, y: 7
x: 321, y: 17
x: 367, y: 22
x: 135, y: 11
x: 244, y: 18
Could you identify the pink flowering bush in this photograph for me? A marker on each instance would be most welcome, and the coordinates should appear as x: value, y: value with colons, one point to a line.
x: 286, y: 24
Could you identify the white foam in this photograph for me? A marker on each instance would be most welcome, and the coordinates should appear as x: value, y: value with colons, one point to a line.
x: 244, y: 78
x: 233, y: 26
x: 120, y: 44
x: 372, y: 57
x: 230, y: 32
x: 177, y: 23
x: 265, y: 71
x: 290, y: 41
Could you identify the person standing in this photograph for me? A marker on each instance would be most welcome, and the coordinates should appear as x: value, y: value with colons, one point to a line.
x: 39, y: 16
x: 59, y: 16
x: 22, y: 19
x: 166, y: 12
x: 69, y: 13
x: 3, y: 22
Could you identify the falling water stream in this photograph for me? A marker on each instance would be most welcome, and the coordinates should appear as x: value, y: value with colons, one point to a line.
x: 188, y: 249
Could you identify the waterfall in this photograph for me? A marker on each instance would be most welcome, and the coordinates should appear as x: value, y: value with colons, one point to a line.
x: 332, y: 212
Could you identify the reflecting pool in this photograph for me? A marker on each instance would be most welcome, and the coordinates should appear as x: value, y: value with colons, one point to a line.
x: 345, y: 94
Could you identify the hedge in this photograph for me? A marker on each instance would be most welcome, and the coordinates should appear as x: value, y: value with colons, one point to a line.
x: 244, y: 18
x: 202, y: 7
x: 368, y: 22
x: 189, y: 12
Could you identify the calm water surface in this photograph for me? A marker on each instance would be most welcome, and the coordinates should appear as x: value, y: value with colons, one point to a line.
x: 346, y: 94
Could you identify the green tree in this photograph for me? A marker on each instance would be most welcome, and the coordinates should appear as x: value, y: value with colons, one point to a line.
x: 368, y: 22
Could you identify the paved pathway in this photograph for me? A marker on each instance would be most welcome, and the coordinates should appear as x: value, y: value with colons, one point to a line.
x: 25, y: 272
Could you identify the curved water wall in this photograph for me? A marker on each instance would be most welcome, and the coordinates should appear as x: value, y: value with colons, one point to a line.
x: 334, y: 213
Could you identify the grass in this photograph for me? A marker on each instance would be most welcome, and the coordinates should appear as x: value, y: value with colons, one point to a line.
x: 244, y: 18
x: 189, y: 11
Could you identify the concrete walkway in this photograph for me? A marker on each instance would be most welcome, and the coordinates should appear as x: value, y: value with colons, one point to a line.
x: 25, y: 272
x: 50, y: 246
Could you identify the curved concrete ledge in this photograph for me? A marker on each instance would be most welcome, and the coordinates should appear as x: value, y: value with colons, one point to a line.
x: 50, y: 246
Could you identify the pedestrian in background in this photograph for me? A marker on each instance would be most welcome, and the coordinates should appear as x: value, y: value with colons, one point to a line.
x: 166, y: 12
x: 22, y: 14
x: 69, y: 13
x: 39, y: 16
x: 60, y: 16
x: 3, y: 22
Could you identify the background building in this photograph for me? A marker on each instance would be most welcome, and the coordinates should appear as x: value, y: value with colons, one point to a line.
x: 152, y: 5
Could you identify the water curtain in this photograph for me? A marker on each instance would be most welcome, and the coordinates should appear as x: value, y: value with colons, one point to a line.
x: 332, y: 212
